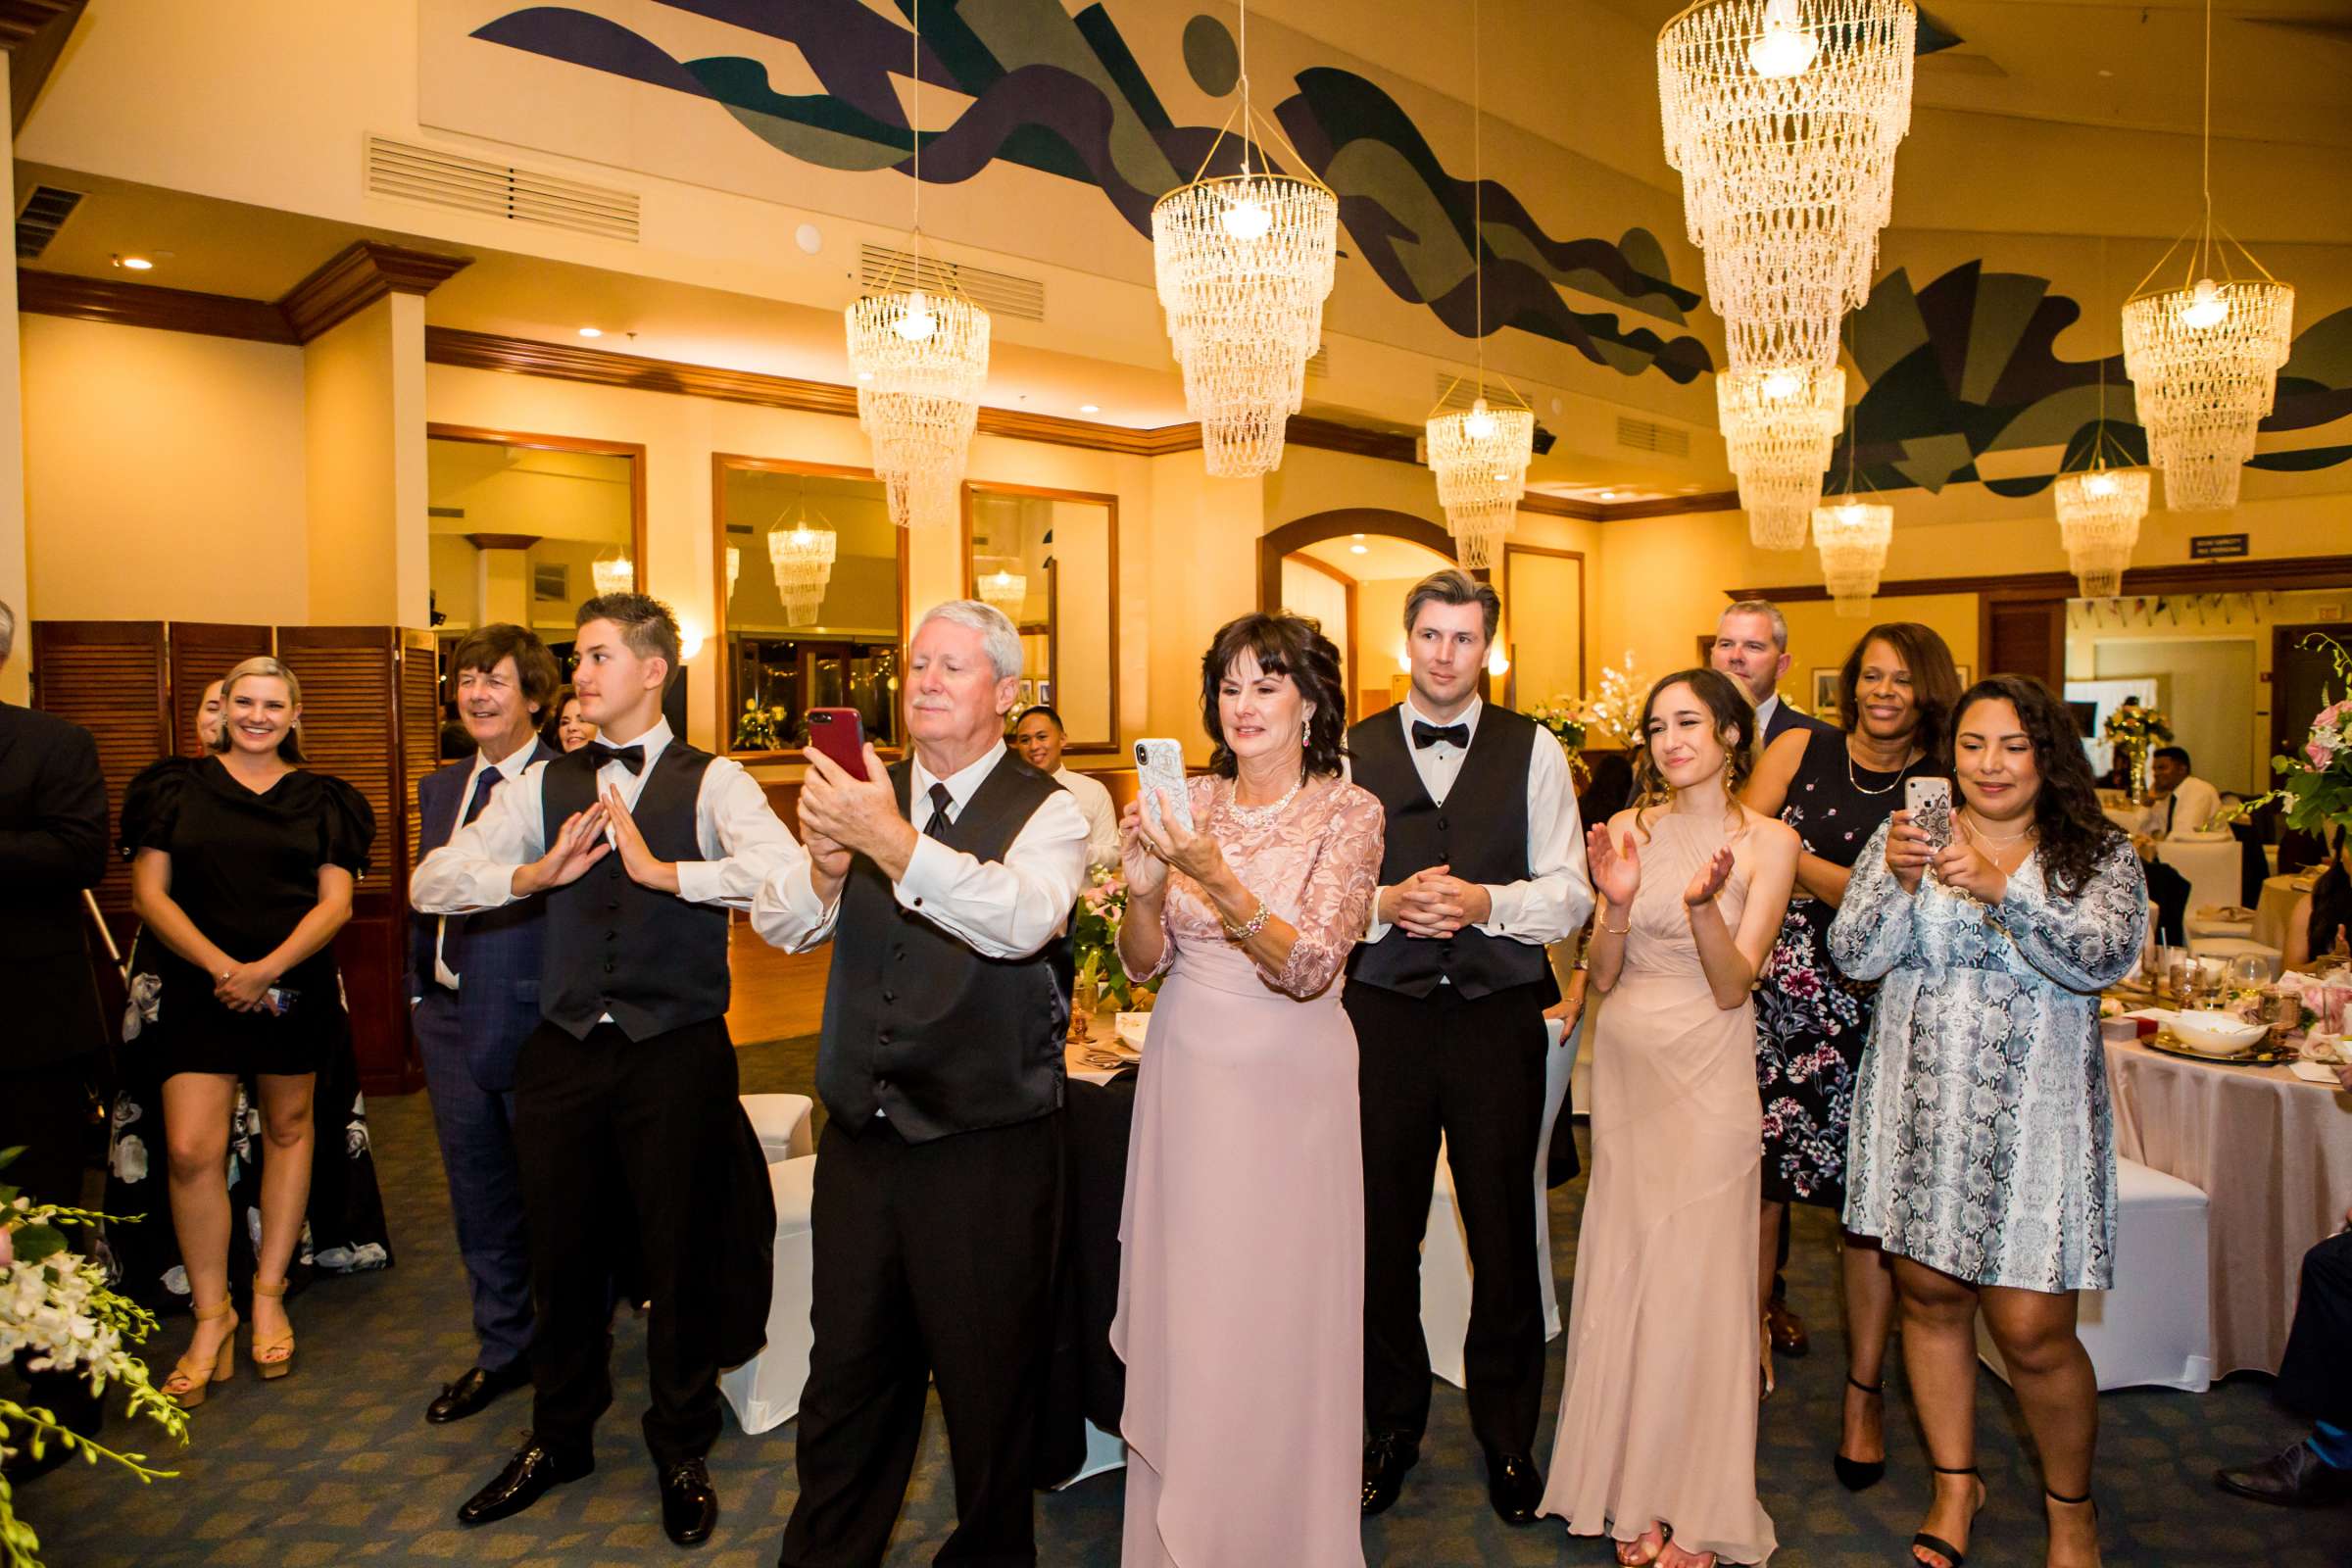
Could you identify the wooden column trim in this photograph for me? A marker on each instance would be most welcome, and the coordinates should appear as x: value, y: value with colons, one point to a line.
x: 355, y: 278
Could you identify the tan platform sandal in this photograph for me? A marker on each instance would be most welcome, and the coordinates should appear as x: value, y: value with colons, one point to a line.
x: 275, y: 1357
x: 191, y: 1380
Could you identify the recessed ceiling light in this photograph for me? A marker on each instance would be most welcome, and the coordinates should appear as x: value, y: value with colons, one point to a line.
x: 137, y: 263
x: 1355, y: 536
x: 1089, y: 408
x: 1608, y: 495
x: 592, y: 331
x: 1359, y: 549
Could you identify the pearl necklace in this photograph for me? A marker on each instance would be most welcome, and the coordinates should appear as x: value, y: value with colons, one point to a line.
x: 1256, y: 815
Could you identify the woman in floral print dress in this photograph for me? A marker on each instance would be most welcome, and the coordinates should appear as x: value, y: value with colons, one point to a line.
x: 1895, y: 700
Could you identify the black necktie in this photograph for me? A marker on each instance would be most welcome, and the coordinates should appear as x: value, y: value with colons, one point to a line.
x: 631, y: 757
x: 2170, y: 800
x: 482, y: 786
x: 1428, y: 735
x: 942, y: 803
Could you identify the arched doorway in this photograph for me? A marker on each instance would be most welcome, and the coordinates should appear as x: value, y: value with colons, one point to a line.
x: 1351, y: 570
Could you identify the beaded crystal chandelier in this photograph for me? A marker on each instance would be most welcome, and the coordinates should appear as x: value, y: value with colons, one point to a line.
x: 2204, y: 357
x: 1244, y: 263
x: 734, y: 569
x: 2099, y: 510
x: 1006, y: 589
x: 613, y: 575
x: 1480, y: 456
x: 802, y: 557
x: 1852, y: 537
x: 1782, y: 116
x: 919, y: 350
x: 1779, y: 425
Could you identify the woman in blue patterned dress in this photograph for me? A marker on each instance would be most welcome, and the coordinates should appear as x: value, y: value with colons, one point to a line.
x: 1895, y: 704
x: 1982, y: 1149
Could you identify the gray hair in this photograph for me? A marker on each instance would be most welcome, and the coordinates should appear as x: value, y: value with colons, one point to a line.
x: 1760, y: 606
x: 1454, y: 586
x: 996, y: 629
x: 8, y: 631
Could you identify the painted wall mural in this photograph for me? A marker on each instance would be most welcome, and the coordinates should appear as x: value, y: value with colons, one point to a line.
x: 1063, y: 94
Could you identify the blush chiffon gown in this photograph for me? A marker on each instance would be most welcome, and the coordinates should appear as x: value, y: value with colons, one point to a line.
x: 1241, y: 1267
x: 1658, y: 1412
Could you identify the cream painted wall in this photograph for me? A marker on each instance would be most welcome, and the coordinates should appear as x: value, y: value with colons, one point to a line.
x: 13, y: 579
x: 163, y: 475
x: 1819, y: 638
x: 364, y: 467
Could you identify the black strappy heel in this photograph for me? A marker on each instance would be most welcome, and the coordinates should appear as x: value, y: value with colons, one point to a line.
x: 2073, y: 1502
x: 1951, y: 1555
x: 1860, y: 1475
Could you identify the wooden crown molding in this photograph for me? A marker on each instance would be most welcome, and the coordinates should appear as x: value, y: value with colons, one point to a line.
x: 355, y: 278
x: 502, y: 541
x: 20, y: 20
x: 34, y: 50
x: 170, y: 310
x: 2252, y: 574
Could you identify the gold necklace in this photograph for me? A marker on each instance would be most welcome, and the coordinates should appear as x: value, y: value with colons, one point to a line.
x: 1861, y: 788
x: 1983, y: 836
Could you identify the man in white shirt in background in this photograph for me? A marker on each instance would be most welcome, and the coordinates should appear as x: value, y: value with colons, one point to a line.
x: 2184, y: 804
x: 1038, y: 735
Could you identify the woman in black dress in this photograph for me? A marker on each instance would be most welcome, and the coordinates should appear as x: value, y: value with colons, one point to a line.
x: 242, y: 872
x: 1894, y: 702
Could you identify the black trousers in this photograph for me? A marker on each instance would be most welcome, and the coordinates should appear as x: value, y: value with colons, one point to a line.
x: 2315, y: 1377
x: 2168, y: 890
x: 934, y: 1262
x: 1472, y: 1071
x: 618, y: 1137
x: 46, y: 1112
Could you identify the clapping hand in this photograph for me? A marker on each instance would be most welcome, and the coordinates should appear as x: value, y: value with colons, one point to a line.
x: 1616, y: 874
x: 1970, y: 870
x: 1909, y: 851
x: 644, y: 867
x: 1709, y: 879
x: 1196, y: 855
x: 577, y: 845
x: 1146, y: 874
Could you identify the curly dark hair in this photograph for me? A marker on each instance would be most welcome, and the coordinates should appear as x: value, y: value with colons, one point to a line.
x: 2075, y: 832
x: 1732, y: 711
x: 1282, y: 645
x: 2331, y: 901
x: 1935, y: 685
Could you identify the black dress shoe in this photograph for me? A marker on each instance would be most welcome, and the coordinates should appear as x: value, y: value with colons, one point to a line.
x: 2295, y: 1479
x: 1514, y: 1486
x: 689, y: 1503
x: 530, y: 1475
x: 471, y: 1394
x: 1388, y: 1455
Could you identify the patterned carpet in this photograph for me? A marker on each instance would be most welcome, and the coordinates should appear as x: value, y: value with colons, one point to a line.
x: 335, y: 1463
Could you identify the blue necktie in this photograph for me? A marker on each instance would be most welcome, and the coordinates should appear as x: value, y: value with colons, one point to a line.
x: 482, y: 786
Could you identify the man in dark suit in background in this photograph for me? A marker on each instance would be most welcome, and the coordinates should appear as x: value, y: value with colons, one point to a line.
x: 1751, y: 646
x: 53, y: 840
x: 474, y: 986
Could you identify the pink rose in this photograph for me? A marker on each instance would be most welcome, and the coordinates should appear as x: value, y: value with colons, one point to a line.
x: 8, y: 1249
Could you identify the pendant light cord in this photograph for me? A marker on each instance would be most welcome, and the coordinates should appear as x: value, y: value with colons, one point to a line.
x: 914, y: 131
x: 1243, y: 48
x: 1477, y: 200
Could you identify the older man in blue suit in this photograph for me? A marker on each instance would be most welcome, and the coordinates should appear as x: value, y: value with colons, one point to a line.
x: 474, y: 985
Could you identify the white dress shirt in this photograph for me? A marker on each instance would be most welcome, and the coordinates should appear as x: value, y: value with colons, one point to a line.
x: 510, y: 768
x: 743, y: 844
x: 1102, y: 818
x: 2184, y: 813
x: 1764, y: 712
x: 1005, y: 908
x: 1558, y: 899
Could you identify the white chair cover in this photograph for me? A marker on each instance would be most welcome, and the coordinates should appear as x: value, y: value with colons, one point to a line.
x: 2214, y: 868
x: 766, y: 1391
x: 2149, y: 1331
x: 782, y: 1122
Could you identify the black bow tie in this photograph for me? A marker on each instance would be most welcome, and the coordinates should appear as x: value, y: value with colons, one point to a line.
x: 1454, y: 735
x: 631, y: 757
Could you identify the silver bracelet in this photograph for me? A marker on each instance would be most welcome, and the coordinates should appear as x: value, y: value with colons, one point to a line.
x: 1250, y: 927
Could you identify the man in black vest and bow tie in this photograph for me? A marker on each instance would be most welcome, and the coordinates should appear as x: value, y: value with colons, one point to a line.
x: 638, y: 844
x: 1484, y: 864
x: 945, y: 884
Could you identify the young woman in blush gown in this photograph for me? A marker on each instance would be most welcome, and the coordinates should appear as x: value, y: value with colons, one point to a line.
x: 1241, y: 1241
x: 1656, y: 1445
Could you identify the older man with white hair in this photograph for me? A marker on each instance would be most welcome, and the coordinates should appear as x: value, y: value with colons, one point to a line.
x: 946, y: 883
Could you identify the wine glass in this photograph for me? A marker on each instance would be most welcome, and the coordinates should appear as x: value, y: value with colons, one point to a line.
x: 2251, y: 971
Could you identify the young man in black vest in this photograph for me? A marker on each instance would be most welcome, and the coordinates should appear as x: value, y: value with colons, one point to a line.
x: 1484, y: 864
x: 639, y: 844
x: 945, y: 884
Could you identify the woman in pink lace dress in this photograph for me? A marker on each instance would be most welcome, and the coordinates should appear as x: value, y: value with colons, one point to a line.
x: 1242, y: 1278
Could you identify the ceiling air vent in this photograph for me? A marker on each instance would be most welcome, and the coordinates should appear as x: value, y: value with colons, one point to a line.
x: 1649, y: 435
x: 881, y: 266
x: 438, y: 177
x: 43, y: 214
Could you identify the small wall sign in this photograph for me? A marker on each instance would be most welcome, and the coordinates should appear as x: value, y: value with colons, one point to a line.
x: 2215, y: 546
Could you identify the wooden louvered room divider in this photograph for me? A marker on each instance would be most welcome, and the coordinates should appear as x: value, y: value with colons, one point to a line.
x: 201, y: 653
x: 110, y: 677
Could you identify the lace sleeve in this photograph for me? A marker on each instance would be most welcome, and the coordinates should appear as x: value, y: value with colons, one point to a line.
x: 1337, y: 901
x: 1873, y: 928
x: 2086, y: 943
x: 1167, y: 951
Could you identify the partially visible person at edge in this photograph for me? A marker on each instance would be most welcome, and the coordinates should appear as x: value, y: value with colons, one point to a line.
x: 566, y: 729
x: 1994, y: 1191
x: 2320, y: 929
x: 1038, y: 735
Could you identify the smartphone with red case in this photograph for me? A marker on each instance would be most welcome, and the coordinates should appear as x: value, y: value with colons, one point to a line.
x: 840, y: 734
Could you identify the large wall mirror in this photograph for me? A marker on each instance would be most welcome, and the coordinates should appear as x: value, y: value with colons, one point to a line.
x: 1049, y: 560
x: 1543, y: 631
x: 813, y: 601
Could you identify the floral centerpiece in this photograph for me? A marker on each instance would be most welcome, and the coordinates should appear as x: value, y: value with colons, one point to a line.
x: 755, y: 730
x: 1101, y: 975
x: 2315, y: 784
x: 1610, y: 714
x: 2137, y: 729
x: 1569, y: 718
x: 57, y: 1316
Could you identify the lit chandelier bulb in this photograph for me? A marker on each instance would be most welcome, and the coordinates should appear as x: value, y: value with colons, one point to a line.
x: 1781, y: 385
x: 1783, y: 48
x: 1247, y: 219
x: 2205, y: 307
x: 916, y: 322
x: 2099, y: 485
x: 1480, y: 424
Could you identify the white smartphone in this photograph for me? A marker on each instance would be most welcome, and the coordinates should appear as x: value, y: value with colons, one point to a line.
x: 1929, y: 802
x: 1160, y: 769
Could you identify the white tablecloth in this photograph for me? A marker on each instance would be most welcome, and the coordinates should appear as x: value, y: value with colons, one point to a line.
x: 2272, y: 1154
x: 2276, y: 908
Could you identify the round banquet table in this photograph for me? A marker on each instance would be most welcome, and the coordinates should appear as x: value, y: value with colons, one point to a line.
x: 2272, y: 1154
x: 2278, y: 907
